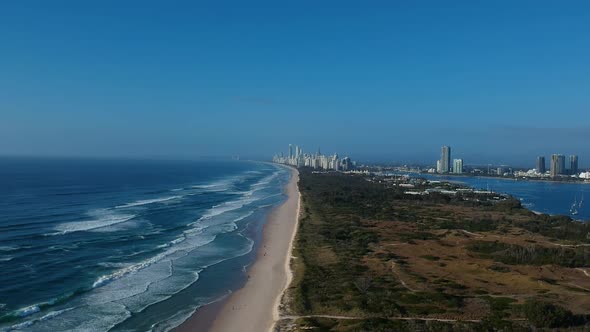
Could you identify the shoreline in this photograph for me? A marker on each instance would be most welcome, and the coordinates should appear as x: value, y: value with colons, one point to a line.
x: 582, y: 220
x: 255, y: 306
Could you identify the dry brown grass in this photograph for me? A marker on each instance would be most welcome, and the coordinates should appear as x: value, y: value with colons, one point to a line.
x: 428, y: 263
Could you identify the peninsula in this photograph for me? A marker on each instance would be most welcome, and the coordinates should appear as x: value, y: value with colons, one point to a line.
x: 371, y: 257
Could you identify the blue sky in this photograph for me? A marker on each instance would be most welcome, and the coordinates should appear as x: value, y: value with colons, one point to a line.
x: 499, y: 81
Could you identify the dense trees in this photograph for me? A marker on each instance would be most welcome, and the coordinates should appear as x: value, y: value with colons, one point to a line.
x: 533, y: 254
x: 542, y: 314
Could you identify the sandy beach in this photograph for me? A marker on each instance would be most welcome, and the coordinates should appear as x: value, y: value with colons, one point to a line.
x: 255, y: 307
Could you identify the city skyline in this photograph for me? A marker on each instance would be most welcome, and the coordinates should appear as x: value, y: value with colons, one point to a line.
x: 298, y: 158
x: 559, y: 165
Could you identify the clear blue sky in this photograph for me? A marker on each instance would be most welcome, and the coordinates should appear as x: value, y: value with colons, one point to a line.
x: 499, y: 81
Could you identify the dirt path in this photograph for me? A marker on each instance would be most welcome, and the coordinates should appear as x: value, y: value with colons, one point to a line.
x: 389, y: 318
x: 397, y: 274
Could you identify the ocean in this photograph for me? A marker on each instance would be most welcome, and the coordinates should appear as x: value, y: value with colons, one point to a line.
x: 120, y: 245
x: 554, y: 198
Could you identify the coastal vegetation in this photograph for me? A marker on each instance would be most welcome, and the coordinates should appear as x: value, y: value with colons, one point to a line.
x: 369, y: 257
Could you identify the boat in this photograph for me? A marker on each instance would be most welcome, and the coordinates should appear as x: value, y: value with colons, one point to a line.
x: 574, y: 208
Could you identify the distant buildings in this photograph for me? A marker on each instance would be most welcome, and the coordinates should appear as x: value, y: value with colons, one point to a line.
x: 557, y: 165
x: 558, y: 168
x: 541, y: 165
x: 573, y: 164
x: 316, y: 160
x: 458, y: 166
x: 447, y: 165
x: 347, y: 164
x: 445, y: 159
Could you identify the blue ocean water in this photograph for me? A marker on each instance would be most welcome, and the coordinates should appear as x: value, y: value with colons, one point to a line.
x: 554, y: 198
x: 118, y: 245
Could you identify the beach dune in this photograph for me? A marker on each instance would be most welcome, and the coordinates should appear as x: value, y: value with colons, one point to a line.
x: 255, y: 307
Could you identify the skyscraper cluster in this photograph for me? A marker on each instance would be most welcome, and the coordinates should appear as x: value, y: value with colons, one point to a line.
x: 444, y: 164
x: 298, y: 158
x: 558, y: 165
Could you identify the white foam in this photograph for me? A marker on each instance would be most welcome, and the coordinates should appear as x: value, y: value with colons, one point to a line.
x: 225, y: 207
x: 100, y: 318
x: 173, y: 248
x: 21, y: 325
x: 103, y: 280
x: 173, y: 242
x: 102, y: 218
x: 266, y: 180
x: 110, y: 264
x: 221, y: 185
x: 177, y: 240
x: 176, y: 320
x: 204, y: 186
x: 28, y: 310
x: 44, y: 318
x: 247, y: 197
x: 244, y: 216
x: 134, y: 288
x: 8, y: 248
x: 54, y: 314
x: 260, y: 185
x: 159, y: 289
x: 147, y: 201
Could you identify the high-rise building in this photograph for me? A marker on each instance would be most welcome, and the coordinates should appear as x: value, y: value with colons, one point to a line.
x: 557, y: 165
x: 335, y: 164
x: 458, y: 166
x: 561, y: 162
x: 573, y: 164
x: 318, y: 161
x: 445, y: 159
x: 346, y: 164
x: 541, y: 165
